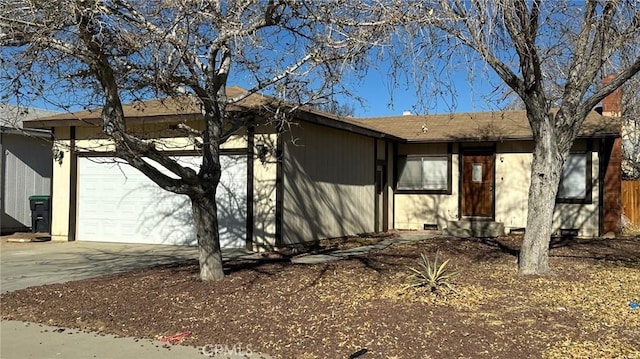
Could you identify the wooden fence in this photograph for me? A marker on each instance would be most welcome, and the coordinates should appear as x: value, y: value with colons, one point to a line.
x: 631, y: 200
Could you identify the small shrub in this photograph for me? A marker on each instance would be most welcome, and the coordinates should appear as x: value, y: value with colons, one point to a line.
x: 431, y: 275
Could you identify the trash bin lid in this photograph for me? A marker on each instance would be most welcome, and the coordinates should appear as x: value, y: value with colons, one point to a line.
x: 39, y: 197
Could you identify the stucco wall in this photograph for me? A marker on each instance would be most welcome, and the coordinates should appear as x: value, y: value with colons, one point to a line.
x: 92, y: 139
x: 512, y: 179
x: 512, y: 176
x: 413, y: 211
x: 584, y: 217
x: 328, y: 183
x: 61, y: 183
x: 264, y: 203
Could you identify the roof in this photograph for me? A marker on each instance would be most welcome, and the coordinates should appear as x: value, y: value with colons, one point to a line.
x: 186, y: 107
x: 12, y: 118
x: 480, y: 126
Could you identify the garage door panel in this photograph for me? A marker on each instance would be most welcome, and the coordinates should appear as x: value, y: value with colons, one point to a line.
x: 117, y: 203
x: 231, y: 198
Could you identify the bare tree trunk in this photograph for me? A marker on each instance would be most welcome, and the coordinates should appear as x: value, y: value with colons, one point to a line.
x: 206, y: 223
x: 546, y: 171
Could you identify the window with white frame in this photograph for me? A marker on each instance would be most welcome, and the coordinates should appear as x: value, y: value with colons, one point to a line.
x: 424, y: 173
x: 576, y: 178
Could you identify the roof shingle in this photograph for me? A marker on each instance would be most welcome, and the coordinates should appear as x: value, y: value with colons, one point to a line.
x: 478, y: 126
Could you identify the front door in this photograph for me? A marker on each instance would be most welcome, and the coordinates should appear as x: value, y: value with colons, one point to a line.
x: 478, y: 181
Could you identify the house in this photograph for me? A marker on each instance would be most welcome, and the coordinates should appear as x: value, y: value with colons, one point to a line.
x: 322, y: 175
x: 476, y: 167
x: 26, y: 165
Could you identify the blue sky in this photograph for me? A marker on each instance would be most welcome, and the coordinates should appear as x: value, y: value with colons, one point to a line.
x: 482, y: 92
x: 382, y: 98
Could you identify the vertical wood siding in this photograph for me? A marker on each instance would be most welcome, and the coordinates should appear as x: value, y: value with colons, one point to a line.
x: 631, y: 200
x: 328, y: 184
x: 27, y: 172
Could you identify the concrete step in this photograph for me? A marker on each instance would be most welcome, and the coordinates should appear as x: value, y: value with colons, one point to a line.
x: 479, y: 228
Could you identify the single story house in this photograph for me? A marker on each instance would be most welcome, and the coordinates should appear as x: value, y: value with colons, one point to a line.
x: 324, y: 176
x: 25, y: 165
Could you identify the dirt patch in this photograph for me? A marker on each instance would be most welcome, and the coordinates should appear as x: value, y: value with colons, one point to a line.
x: 23, y: 239
x: 359, y: 307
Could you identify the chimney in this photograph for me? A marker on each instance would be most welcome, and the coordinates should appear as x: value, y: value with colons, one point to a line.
x: 612, y: 104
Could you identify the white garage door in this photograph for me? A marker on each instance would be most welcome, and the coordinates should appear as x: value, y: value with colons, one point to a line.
x: 117, y: 203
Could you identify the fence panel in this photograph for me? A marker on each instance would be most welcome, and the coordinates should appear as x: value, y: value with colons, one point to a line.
x: 631, y: 200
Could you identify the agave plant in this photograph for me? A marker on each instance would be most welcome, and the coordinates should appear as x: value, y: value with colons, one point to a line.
x: 431, y: 275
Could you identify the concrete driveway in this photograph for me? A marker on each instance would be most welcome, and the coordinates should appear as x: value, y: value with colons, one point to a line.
x: 29, y: 264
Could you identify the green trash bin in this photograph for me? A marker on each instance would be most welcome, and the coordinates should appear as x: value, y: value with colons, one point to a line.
x: 40, y: 213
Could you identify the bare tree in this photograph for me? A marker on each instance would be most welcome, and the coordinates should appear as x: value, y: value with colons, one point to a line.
x: 104, y: 52
x: 340, y: 109
x: 631, y: 130
x: 551, y: 54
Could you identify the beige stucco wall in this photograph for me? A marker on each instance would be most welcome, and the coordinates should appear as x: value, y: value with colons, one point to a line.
x: 92, y: 139
x: 328, y: 183
x: 264, y: 203
x: 513, y: 177
x: 584, y: 217
x: 61, y: 182
x: 413, y: 211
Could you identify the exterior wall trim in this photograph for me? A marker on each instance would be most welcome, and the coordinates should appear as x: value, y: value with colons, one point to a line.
x: 279, y: 187
x: 73, y: 186
x: 250, y: 188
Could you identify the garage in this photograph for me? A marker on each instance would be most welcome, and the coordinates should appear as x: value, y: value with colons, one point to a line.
x: 117, y: 203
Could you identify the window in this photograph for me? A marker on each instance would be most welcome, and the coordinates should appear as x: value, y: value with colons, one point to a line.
x: 575, y: 183
x: 424, y: 174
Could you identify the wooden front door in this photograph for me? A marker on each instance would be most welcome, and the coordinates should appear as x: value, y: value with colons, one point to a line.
x: 478, y: 182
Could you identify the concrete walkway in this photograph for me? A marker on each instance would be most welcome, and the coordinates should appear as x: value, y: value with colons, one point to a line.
x: 24, y: 265
x: 402, y: 237
x: 29, y: 264
x: 29, y: 340
x: 19, y: 340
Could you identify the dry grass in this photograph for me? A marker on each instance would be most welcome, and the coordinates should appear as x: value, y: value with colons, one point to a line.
x: 337, y: 309
x: 631, y: 229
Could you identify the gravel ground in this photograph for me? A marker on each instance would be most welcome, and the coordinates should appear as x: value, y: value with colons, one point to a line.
x: 359, y: 307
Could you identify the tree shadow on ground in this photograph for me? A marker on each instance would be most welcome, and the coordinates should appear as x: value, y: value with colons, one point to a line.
x: 378, y: 264
x: 623, y: 251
